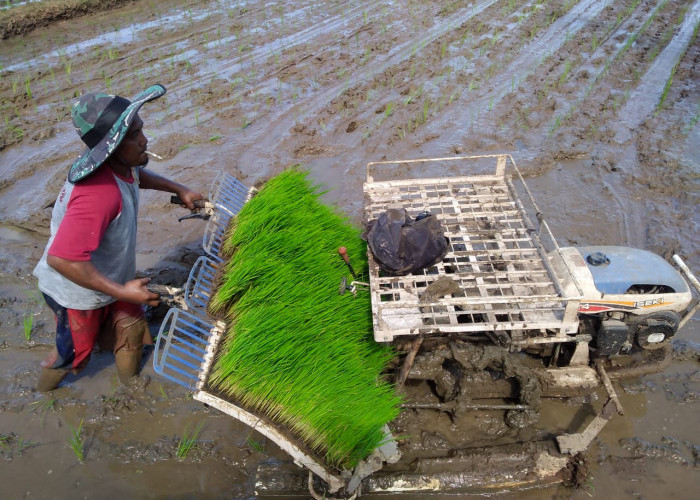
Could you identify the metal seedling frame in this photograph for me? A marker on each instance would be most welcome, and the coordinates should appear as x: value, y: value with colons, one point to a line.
x: 496, y: 255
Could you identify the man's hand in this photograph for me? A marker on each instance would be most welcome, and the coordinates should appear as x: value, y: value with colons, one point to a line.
x: 188, y: 197
x: 85, y: 274
x: 135, y: 291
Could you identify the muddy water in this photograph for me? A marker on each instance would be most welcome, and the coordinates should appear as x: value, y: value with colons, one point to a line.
x: 570, y: 89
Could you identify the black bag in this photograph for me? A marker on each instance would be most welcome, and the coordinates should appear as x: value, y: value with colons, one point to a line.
x: 401, y: 245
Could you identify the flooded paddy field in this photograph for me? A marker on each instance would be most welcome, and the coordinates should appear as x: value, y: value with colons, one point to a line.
x: 596, y: 100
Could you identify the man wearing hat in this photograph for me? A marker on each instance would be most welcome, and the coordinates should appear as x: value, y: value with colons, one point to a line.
x: 87, y: 271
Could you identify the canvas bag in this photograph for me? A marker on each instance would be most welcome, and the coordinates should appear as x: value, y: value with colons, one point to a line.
x: 402, y: 245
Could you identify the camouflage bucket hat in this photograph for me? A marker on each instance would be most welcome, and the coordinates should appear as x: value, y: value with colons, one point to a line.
x: 101, y: 121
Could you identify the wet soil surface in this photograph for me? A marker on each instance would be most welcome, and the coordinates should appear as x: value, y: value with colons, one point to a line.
x: 597, y: 101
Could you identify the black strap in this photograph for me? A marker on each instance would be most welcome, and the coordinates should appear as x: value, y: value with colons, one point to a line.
x: 105, y: 121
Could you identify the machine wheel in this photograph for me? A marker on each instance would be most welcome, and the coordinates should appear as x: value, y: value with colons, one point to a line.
x: 653, y: 330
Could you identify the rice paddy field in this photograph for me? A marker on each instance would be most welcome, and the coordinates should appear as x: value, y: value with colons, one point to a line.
x: 596, y: 100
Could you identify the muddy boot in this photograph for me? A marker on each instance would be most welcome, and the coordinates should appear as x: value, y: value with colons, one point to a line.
x: 128, y: 363
x: 49, y: 378
x: 130, y: 334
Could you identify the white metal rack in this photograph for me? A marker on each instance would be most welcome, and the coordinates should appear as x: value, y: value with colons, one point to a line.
x: 507, y: 287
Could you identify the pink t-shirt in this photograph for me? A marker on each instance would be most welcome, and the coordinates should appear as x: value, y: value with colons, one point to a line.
x: 94, y: 203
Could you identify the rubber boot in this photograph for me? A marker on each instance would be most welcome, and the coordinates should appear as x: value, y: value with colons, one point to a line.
x: 49, y: 378
x: 128, y: 363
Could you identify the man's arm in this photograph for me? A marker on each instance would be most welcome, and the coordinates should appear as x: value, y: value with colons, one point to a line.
x: 151, y: 180
x: 85, y: 274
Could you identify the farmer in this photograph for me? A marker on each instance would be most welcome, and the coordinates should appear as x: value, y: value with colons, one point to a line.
x: 87, y: 271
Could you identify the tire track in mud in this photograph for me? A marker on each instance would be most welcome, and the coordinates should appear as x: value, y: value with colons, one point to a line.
x: 262, y: 53
x: 633, y: 210
x: 130, y: 35
x: 640, y: 105
x: 644, y: 98
x: 529, y: 60
x: 17, y: 181
x: 608, y: 52
x: 314, y: 103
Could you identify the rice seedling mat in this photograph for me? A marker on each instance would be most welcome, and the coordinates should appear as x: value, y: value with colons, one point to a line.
x: 495, y: 255
x: 185, y: 349
x: 189, y: 341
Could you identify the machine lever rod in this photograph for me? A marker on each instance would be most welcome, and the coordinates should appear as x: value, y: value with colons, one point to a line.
x: 344, y: 254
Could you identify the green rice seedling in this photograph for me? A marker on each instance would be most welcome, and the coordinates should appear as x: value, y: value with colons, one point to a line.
x: 555, y: 125
x: 693, y: 121
x: 254, y: 444
x: 565, y: 74
x: 296, y: 350
x: 77, y: 442
x: 388, y: 110
x: 44, y: 406
x: 24, y: 445
x: 163, y: 393
x: 17, y: 132
x: 14, y: 443
x: 188, y: 441
x: 27, y: 324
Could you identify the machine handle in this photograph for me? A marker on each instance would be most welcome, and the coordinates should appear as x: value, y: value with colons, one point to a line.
x: 344, y: 254
x: 175, y: 200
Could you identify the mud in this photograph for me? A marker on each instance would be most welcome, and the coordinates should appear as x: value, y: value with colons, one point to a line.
x: 579, y: 92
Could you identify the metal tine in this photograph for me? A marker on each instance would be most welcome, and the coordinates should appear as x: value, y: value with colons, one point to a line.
x: 233, y: 192
x: 194, y: 327
x: 182, y: 360
x: 213, y: 238
x: 201, y: 300
x: 183, y: 341
x: 183, y: 373
x: 228, y: 196
x: 202, y: 292
x: 201, y: 303
x: 191, y: 280
x: 230, y: 187
x: 232, y: 195
x: 166, y: 361
x: 228, y: 192
x: 200, y: 283
x: 188, y: 343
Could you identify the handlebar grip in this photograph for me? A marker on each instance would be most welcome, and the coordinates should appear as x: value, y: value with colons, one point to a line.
x: 176, y: 200
x: 344, y: 254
